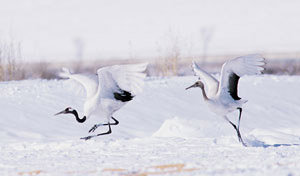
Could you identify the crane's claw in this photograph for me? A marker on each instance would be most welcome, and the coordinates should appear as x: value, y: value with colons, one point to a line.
x: 93, y: 128
x: 86, y: 138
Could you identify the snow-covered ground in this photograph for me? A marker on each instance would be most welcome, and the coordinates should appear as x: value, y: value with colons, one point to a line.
x: 165, y: 130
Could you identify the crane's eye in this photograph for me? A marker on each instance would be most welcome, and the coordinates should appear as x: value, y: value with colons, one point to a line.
x: 69, y: 109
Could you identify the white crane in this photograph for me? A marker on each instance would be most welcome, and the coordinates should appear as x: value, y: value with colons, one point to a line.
x: 114, y: 87
x: 222, y: 96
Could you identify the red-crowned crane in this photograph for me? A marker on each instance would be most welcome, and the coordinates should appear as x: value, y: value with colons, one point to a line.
x: 222, y: 96
x: 113, y: 88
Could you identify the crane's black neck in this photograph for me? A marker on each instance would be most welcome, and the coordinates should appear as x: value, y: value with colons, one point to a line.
x: 74, y: 112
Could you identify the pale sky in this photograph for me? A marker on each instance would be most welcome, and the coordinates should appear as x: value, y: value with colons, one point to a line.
x: 53, y: 29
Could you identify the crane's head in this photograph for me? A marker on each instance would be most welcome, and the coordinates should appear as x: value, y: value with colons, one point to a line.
x: 68, y: 110
x: 197, y: 84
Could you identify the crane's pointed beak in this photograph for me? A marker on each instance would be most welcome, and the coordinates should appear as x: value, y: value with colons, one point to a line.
x: 194, y: 85
x: 62, y: 112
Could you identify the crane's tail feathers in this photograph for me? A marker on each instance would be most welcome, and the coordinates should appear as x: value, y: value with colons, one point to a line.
x: 65, y: 73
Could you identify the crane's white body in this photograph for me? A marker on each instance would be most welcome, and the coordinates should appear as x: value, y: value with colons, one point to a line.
x: 100, y: 89
x: 223, y: 106
x: 219, y: 99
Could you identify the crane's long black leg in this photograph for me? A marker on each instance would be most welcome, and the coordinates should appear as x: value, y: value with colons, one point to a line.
x: 239, y: 118
x: 116, y: 122
x: 238, y: 128
x: 237, y: 131
x: 89, y: 137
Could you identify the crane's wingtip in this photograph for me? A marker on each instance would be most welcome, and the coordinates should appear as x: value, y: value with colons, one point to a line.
x: 141, y: 67
x: 145, y: 64
x: 194, y: 64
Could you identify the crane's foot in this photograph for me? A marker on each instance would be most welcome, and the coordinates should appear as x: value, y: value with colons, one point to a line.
x: 244, y: 144
x: 240, y: 138
x: 87, y: 138
x: 238, y: 134
x: 116, y: 122
x: 94, y: 127
x: 241, y: 141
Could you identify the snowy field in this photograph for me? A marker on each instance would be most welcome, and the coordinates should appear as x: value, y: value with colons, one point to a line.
x: 165, y: 130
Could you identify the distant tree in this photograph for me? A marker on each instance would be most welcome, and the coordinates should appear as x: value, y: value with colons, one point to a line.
x: 206, y: 36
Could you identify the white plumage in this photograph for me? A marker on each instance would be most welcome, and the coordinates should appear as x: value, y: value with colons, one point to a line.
x: 222, y: 96
x: 108, y: 92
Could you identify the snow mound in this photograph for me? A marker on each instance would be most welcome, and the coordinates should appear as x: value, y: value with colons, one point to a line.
x: 192, y: 128
x: 177, y: 127
x: 266, y: 138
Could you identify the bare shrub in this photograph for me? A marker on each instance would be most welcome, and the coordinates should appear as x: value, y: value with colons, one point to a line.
x: 169, y: 56
x: 283, y: 67
x: 42, y: 70
x: 10, y: 61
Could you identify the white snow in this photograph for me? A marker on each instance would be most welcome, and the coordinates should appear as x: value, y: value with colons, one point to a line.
x: 165, y: 130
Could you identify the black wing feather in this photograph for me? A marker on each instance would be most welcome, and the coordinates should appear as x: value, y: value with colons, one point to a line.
x: 233, y: 86
x: 123, y: 96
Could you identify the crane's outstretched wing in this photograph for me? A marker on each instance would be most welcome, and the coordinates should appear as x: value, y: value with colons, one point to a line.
x: 233, y: 69
x: 89, y: 82
x: 121, y: 80
x: 210, y: 82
